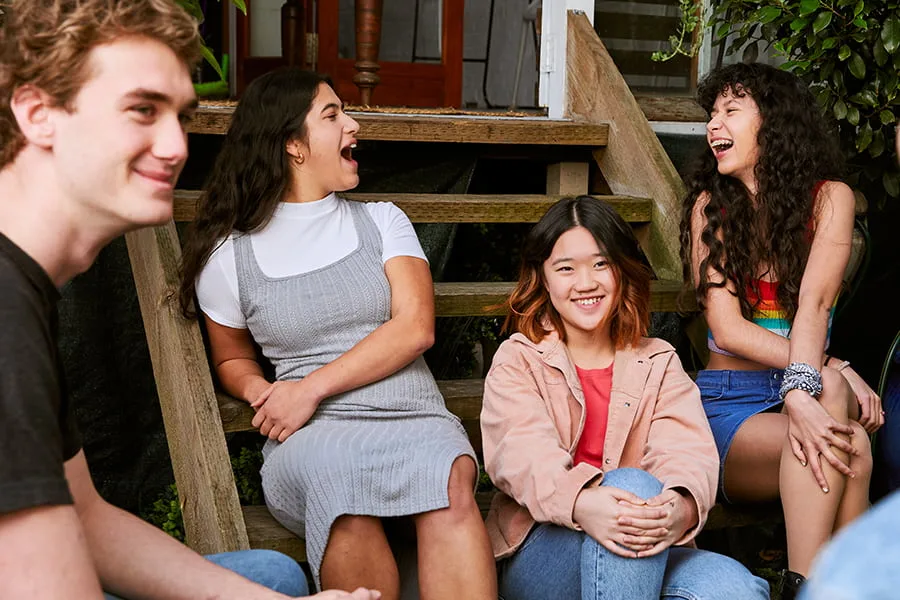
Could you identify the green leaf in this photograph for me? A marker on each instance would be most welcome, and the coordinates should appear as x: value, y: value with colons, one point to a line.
x: 840, y: 110
x: 890, y: 35
x: 822, y: 21
x: 241, y: 5
x: 891, y: 182
x: 864, y: 137
x: 844, y: 53
x: 887, y: 117
x: 192, y: 7
x: 767, y: 14
x: 808, y: 7
x: 876, y: 148
x: 880, y: 54
x: 211, y: 59
x: 723, y: 30
x: 858, y: 8
x: 861, y: 23
x: 857, y: 66
x: 838, y: 78
x: 853, y: 115
x: 865, y: 97
x: 829, y: 43
x: 799, y: 24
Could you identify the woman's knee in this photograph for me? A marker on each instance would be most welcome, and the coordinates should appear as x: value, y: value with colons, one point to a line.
x: 837, y: 397
x: 356, y: 526
x: 461, y: 486
x: 637, y: 481
x: 861, y: 463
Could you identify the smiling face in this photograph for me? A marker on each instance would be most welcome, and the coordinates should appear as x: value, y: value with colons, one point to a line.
x: 581, y: 284
x: 118, y: 150
x: 327, y: 164
x: 732, y: 135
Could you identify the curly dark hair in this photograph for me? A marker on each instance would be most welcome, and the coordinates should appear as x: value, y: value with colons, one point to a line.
x: 798, y: 148
x: 252, y: 171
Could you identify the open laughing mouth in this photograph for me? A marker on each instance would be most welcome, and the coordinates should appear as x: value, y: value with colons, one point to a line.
x: 347, y: 152
x: 720, y: 146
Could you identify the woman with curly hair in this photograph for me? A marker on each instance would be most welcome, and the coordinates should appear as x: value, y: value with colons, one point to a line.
x: 765, y: 239
x: 338, y: 296
x: 594, y: 433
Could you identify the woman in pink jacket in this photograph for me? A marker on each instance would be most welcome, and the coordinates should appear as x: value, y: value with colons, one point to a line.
x: 594, y: 434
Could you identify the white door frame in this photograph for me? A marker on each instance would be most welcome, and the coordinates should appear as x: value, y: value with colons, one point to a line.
x: 554, y: 25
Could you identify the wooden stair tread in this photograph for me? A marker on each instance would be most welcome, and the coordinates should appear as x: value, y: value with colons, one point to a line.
x: 460, y: 208
x: 460, y: 299
x: 459, y: 129
x: 266, y: 533
x: 463, y: 398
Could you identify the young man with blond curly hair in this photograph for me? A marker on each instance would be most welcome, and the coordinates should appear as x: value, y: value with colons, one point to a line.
x: 94, y: 97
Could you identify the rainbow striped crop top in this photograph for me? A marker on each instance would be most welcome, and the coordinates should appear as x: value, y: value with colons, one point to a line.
x: 768, y: 315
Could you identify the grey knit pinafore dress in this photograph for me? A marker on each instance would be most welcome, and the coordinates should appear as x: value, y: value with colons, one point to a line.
x: 384, y: 449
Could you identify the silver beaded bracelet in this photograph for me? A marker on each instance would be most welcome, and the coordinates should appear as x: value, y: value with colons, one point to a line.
x: 801, y: 376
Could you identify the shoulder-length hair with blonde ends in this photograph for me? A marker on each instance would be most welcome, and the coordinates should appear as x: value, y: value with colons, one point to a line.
x: 529, y: 304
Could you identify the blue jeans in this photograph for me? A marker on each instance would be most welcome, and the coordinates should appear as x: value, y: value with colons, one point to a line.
x: 266, y: 567
x: 861, y: 562
x: 560, y: 563
x: 886, y: 452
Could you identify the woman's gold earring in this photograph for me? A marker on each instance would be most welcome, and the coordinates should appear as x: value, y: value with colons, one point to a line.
x: 299, y: 159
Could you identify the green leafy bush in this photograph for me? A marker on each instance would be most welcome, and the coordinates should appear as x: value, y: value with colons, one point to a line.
x: 165, y: 513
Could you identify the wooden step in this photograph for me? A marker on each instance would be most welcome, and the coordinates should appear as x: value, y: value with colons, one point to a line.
x: 266, y: 533
x: 453, y: 299
x: 463, y: 398
x: 461, y: 208
x: 215, y: 119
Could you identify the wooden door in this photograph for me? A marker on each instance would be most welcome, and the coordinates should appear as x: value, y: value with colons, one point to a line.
x: 417, y: 84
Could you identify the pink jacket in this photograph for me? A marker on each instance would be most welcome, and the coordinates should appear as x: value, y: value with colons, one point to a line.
x: 533, y: 415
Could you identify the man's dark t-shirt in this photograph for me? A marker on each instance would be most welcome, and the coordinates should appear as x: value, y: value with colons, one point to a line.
x: 37, y: 427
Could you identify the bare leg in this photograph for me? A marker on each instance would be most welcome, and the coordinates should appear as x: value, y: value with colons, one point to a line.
x: 760, y: 466
x: 809, y: 513
x: 856, y: 494
x: 358, y: 555
x: 455, y: 559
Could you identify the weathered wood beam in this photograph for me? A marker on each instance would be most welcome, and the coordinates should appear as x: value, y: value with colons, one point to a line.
x: 633, y: 162
x: 206, y: 488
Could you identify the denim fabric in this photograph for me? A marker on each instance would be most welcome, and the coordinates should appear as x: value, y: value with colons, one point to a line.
x: 861, y: 562
x: 556, y: 563
x: 730, y: 398
x: 266, y: 567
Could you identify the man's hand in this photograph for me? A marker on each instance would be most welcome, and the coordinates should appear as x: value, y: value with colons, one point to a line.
x: 357, y: 594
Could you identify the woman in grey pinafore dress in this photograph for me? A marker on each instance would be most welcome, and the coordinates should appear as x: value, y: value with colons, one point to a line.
x: 382, y: 446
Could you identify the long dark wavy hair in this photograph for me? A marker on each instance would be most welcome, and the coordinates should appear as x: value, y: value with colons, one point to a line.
x: 252, y: 171
x: 797, y: 149
x: 529, y: 304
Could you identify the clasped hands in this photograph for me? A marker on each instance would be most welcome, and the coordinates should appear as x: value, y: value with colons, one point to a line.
x: 284, y: 407
x: 631, y: 527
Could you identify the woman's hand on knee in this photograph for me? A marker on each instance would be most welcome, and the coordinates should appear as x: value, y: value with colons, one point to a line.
x: 679, y: 515
x: 813, y: 432
x: 600, y: 510
x: 871, y: 414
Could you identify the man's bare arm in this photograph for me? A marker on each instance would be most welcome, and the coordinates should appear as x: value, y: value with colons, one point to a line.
x: 44, y: 556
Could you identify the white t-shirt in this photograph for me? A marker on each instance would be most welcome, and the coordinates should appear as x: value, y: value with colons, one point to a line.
x: 301, y: 237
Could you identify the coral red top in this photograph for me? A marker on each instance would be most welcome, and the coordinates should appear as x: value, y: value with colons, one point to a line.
x: 596, y: 385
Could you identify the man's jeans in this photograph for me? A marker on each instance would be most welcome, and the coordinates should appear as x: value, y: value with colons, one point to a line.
x: 863, y: 561
x: 560, y: 563
x: 271, y: 569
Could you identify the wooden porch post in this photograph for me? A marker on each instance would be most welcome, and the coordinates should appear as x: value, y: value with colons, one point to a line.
x: 368, y: 39
x: 554, y: 26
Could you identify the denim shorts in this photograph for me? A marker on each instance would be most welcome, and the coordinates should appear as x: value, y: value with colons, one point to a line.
x: 732, y: 397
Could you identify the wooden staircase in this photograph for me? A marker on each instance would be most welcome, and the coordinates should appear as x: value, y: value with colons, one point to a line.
x: 605, y: 121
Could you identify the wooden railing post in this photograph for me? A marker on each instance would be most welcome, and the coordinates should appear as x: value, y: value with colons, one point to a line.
x: 293, y: 33
x: 213, y: 521
x: 368, y: 40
